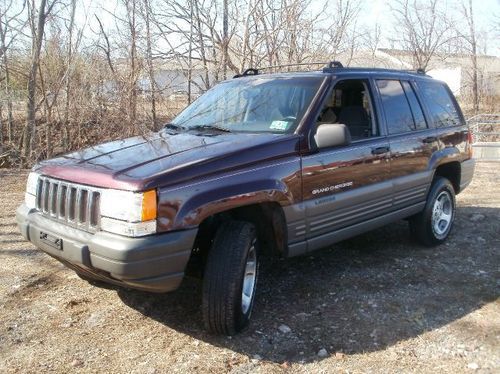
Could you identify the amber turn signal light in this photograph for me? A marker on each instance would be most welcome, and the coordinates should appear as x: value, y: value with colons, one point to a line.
x: 149, y: 205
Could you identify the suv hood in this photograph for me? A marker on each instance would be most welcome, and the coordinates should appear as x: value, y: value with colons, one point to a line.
x: 165, y: 158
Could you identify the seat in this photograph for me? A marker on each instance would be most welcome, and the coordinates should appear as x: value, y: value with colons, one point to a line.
x: 356, y: 120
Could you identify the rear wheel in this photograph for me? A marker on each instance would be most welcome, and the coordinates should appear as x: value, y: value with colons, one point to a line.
x: 230, y: 278
x: 432, y: 226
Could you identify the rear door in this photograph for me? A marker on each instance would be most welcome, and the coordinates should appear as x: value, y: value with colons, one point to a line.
x: 411, y: 140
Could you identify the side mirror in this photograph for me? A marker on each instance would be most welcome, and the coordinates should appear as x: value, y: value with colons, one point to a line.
x: 331, y: 135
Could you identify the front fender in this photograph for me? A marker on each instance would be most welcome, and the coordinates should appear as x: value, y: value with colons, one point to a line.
x: 186, y: 206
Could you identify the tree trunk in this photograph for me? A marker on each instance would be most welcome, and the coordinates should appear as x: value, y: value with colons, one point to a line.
x: 66, y: 124
x: 133, y: 67
x: 10, y: 118
x: 225, y: 39
x: 202, y: 45
x: 36, y: 46
x: 1, y: 128
x: 475, y: 90
x: 149, y: 58
x: 190, y: 52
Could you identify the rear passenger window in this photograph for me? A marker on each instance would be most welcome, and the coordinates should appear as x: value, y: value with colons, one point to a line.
x: 418, y: 115
x: 441, y: 106
x: 397, y: 110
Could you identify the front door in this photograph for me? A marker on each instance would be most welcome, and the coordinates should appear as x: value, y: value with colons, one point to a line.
x: 345, y: 185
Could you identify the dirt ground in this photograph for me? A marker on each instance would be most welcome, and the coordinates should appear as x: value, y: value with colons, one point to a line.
x: 375, y: 303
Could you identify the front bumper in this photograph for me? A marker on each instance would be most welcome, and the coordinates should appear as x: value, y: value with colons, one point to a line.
x: 153, y: 263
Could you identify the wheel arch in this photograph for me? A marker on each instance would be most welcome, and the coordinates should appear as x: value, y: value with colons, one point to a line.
x: 268, y: 218
x: 451, y: 171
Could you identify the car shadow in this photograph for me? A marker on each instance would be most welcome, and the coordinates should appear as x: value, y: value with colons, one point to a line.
x: 362, y: 295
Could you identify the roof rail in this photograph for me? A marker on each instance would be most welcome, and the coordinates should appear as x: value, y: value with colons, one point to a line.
x: 328, y: 67
x: 276, y: 68
x: 415, y: 71
x: 299, y: 64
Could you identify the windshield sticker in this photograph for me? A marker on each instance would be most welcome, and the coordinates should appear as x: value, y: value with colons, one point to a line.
x: 279, y: 125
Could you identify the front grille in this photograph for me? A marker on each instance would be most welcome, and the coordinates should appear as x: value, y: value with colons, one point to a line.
x: 74, y: 204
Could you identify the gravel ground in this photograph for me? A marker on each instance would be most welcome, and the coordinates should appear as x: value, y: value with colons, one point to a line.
x: 375, y: 303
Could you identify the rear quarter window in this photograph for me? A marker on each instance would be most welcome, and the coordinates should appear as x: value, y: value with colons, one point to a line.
x: 441, y: 106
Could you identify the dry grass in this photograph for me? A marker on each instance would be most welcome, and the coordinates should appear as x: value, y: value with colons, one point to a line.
x: 376, y: 303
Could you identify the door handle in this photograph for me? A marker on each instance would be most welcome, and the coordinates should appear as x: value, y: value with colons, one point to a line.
x: 430, y: 139
x: 380, y: 150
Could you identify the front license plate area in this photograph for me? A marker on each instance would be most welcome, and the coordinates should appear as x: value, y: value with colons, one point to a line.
x: 51, y: 241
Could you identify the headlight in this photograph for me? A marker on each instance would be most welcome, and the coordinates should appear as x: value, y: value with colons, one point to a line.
x: 128, y: 213
x: 31, y: 186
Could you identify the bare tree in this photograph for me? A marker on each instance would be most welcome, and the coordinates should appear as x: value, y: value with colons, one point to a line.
x: 107, y: 47
x: 7, y: 27
x: 68, y: 74
x: 225, y: 38
x: 37, y: 32
x: 84, y: 87
x: 422, y: 28
x: 131, y: 7
x: 146, y: 14
x: 469, y: 37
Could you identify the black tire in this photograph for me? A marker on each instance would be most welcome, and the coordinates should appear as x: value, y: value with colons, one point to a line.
x: 423, y: 228
x: 223, y: 312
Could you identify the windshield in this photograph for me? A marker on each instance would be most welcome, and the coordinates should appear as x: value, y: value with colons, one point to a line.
x: 251, y: 105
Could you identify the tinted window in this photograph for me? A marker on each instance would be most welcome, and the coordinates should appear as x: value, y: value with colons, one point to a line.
x: 397, y: 110
x: 441, y: 106
x: 418, y: 115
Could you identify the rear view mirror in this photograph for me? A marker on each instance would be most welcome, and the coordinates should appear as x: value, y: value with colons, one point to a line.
x: 331, y: 135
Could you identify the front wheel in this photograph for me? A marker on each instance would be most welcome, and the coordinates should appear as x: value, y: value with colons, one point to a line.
x: 230, y: 278
x: 432, y: 226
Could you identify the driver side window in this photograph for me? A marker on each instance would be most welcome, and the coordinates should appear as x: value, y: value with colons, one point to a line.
x: 350, y: 104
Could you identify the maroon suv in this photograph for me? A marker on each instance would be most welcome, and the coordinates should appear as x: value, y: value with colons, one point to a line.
x: 286, y: 163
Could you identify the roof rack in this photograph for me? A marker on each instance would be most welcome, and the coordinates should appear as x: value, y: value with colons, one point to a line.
x: 288, y: 66
x: 329, y: 67
x: 276, y: 68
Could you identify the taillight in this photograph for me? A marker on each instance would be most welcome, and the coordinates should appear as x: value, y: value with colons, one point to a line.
x: 469, y: 142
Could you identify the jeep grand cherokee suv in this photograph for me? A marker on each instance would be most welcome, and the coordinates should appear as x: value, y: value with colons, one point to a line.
x: 286, y: 163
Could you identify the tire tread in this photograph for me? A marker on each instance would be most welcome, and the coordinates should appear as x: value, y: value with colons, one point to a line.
x: 223, y: 275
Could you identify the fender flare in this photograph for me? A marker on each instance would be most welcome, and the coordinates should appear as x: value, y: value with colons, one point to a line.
x: 217, y: 199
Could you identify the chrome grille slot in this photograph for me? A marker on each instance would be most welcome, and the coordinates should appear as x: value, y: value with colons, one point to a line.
x: 73, y: 204
x: 45, y: 196
x: 94, y: 208
x: 82, y: 206
x: 53, y: 198
x: 62, y: 200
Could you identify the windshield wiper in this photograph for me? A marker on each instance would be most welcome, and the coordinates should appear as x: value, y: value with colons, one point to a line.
x: 209, y: 127
x: 173, y: 126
